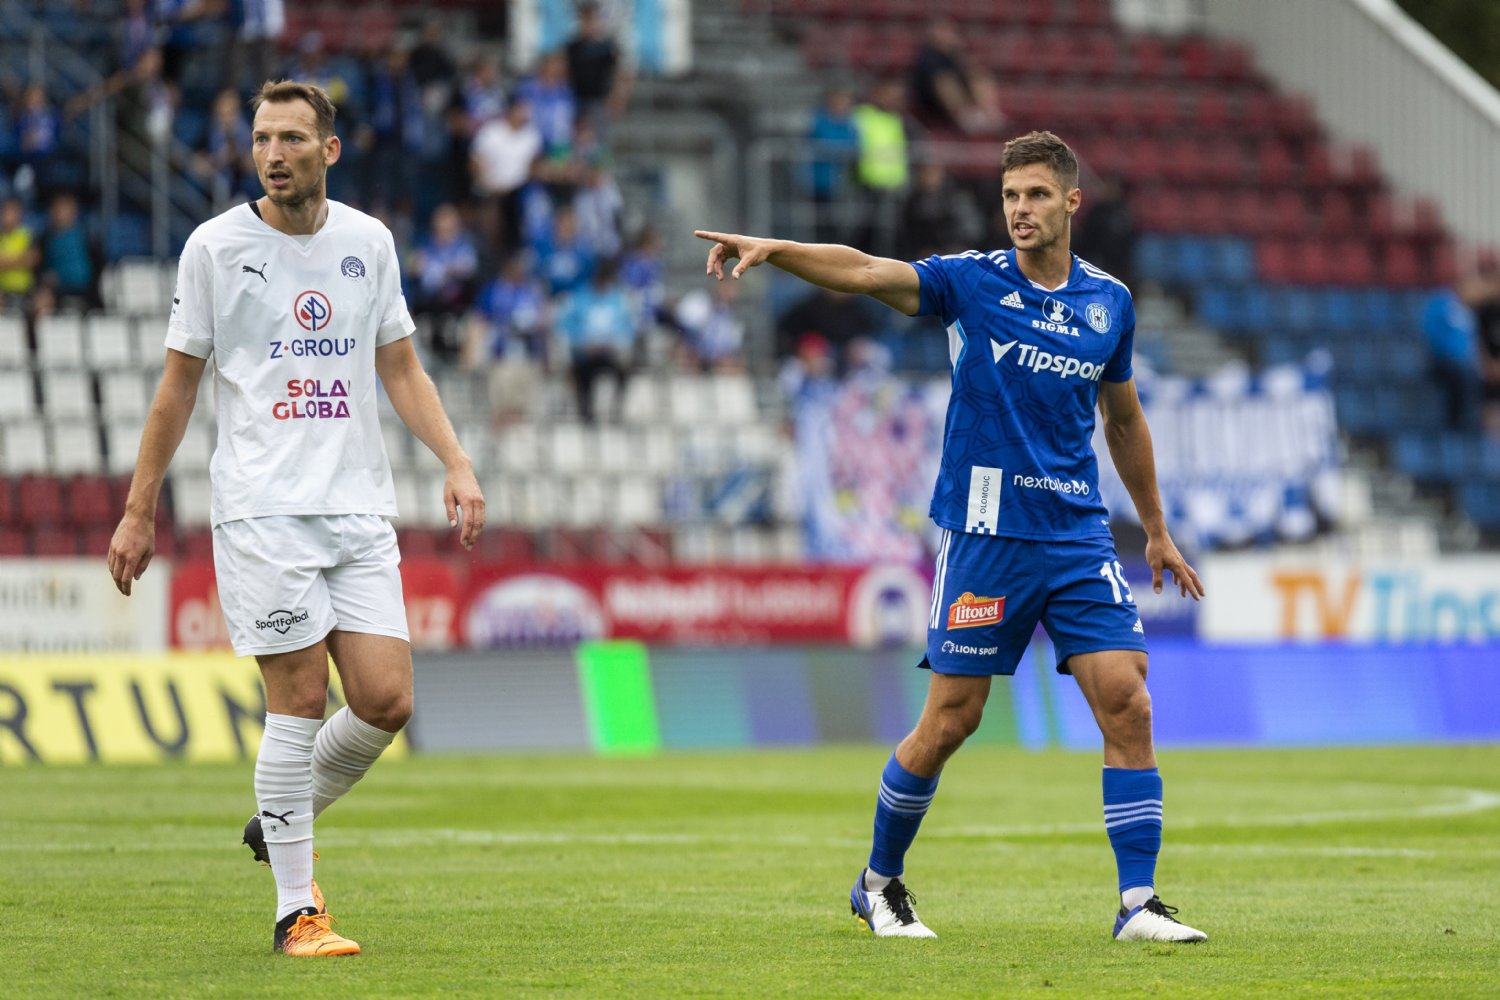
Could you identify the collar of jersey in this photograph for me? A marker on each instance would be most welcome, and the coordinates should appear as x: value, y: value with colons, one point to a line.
x: 261, y: 223
x: 1072, y: 266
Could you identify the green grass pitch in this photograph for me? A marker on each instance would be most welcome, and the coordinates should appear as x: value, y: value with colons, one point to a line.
x: 1350, y: 872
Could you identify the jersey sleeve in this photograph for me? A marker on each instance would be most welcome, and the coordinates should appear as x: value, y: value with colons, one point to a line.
x: 191, y: 328
x: 1119, y: 366
x: 395, y: 320
x: 938, y: 286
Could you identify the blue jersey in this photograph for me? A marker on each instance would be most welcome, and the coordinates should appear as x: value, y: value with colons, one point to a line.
x: 1018, y: 458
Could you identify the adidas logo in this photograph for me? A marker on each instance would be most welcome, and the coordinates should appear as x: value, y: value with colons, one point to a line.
x: 1137, y: 627
x: 1013, y: 300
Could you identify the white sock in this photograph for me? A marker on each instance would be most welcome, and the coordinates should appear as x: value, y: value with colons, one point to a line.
x: 345, y: 749
x: 283, y: 794
x: 1139, y: 896
x: 874, y: 882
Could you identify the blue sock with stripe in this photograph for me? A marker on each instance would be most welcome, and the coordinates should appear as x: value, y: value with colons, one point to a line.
x: 1132, y: 818
x: 903, y: 801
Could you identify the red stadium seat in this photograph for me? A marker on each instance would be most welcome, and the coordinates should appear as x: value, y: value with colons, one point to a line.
x: 1352, y: 262
x: 39, y: 501
x: 1273, y: 163
x: 1336, y: 213
x: 13, y: 542
x: 1401, y: 266
x: 1273, y: 262
x: 89, y: 502
x: 96, y: 541
x: 54, y: 542
x: 1442, y: 264
x: 7, y: 503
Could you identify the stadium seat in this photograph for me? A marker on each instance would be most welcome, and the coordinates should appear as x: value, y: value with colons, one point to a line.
x: 54, y: 543
x: 122, y: 443
x: 108, y: 344
x: 24, y: 447
x: 67, y: 394
x: 59, y: 341
x: 195, y: 452
x: 12, y: 542
x: 38, y: 501
x: 123, y: 395
x: 96, y: 539
x: 76, y: 448
x: 88, y: 501
x: 17, y: 395
x: 14, y: 351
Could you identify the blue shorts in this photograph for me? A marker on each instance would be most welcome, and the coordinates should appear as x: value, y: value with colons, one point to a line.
x: 989, y: 593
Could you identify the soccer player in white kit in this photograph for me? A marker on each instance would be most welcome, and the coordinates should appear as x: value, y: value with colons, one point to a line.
x: 298, y: 300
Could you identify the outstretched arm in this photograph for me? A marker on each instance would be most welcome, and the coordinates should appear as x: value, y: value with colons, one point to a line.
x: 134, y: 541
x: 417, y: 404
x: 1129, y: 441
x: 829, y: 265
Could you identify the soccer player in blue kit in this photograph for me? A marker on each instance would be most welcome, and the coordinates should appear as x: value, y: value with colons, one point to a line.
x: 1037, y: 337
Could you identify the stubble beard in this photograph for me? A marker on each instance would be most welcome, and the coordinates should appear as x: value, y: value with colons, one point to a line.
x: 297, y: 198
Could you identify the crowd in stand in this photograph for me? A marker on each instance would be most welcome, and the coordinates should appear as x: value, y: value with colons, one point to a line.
x: 499, y: 187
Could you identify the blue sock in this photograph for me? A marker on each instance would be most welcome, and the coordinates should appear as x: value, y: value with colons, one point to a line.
x: 1132, y: 818
x: 904, y: 798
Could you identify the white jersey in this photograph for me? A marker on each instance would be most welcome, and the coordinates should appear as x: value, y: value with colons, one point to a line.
x: 292, y: 326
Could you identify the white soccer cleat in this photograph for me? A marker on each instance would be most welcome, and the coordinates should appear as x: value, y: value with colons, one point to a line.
x: 887, y: 912
x: 1154, y: 921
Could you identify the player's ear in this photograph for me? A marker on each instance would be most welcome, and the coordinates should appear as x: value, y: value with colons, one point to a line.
x: 1074, y: 199
x: 332, y: 150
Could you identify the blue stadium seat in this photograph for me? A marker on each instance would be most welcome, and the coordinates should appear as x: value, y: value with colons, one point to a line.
x: 1194, y: 260
x: 1260, y: 310
x: 1233, y: 260
x: 1295, y: 309
x: 1339, y: 309
x: 1153, y: 256
x: 128, y: 236
x: 1480, y: 500
x: 1380, y: 309
x: 1222, y: 308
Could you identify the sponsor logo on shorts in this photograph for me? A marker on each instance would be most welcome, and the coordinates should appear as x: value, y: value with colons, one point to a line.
x: 969, y: 611
x: 960, y: 649
x: 282, y: 621
x: 1138, y: 627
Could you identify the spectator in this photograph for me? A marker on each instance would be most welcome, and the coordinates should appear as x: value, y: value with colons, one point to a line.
x: 834, y: 144
x: 947, y: 89
x: 553, y: 107
x: 1486, y: 298
x: 514, y: 312
x: 564, y: 261
x: 258, y: 26
x: 597, y: 203
x: 446, y: 267
x: 882, y: 167
x: 1451, y: 329
x: 38, y: 134
x: 70, y: 257
x: 599, y: 325
x: 483, y: 92
x: 18, y: 257
x: 432, y: 65
x: 1105, y: 236
x: 392, y: 138
x: 188, y: 27
x: 643, y: 274
x: 501, y: 158
x: 834, y: 317
x: 600, y: 82
x: 224, y: 161
x: 938, y: 215
x: 713, y: 337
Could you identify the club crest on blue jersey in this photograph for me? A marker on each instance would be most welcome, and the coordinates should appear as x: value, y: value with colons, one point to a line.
x: 313, y: 311
x: 353, y: 267
x: 1098, y: 317
x: 1056, y: 310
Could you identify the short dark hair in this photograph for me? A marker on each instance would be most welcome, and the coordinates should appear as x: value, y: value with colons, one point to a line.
x: 1044, y: 148
x: 282, y: 91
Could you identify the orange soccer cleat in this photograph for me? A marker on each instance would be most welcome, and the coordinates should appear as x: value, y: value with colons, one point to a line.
x: 307, y: 934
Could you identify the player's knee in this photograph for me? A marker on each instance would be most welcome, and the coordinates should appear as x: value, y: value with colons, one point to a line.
x: 957, y: 726
x: 389, y: 711
x: 1131, y: 710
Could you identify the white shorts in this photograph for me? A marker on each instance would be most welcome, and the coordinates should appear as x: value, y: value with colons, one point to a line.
x: 286, y: 581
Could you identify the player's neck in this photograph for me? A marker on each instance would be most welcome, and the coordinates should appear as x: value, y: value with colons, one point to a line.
x: 1049, y: 268
x: 295, y: 220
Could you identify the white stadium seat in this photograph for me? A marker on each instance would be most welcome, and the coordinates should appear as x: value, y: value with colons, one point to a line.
x: 123, y: 395
x: 67, y: 394
x: 13, y: 350
x: 732, y: 399
x: 643, y: 403
x: 75, y: 447
x: 639, y: 501
x: 59, y: 341
x: 108, y: 346
x: 17, y: 394
x: 122, y: 440
x: 567, y: 449
x: 139, y: 289
x: 23, y: 447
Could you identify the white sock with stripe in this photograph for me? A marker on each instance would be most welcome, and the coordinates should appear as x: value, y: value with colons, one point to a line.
x: 283, y: 795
